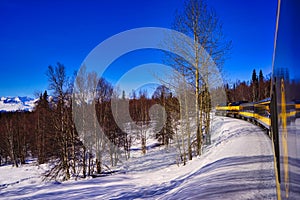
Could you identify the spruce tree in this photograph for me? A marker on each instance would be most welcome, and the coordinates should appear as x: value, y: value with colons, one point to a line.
x: 254, y: 85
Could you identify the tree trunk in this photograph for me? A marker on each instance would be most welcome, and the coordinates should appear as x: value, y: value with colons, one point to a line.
x: 84, y: 162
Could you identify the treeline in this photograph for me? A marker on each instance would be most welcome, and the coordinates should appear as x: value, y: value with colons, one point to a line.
x: 49, y: 133
x: 256, y: 89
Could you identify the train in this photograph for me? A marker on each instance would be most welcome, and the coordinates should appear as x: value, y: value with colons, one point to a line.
x: 254, y: 112
x: 279, y: 114
x: 258, y: 113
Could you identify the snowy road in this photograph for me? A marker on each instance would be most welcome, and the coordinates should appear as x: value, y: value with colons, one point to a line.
x: 237, y: 165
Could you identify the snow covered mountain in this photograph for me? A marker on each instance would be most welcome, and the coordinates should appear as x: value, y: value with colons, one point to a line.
x: 9, y: 104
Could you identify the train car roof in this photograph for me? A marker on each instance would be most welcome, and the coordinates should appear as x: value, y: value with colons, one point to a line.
x: 237, y: 103
x: 264, y: 100
x: 248, y: 104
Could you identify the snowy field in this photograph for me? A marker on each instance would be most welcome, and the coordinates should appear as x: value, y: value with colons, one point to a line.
x: 237, y: 165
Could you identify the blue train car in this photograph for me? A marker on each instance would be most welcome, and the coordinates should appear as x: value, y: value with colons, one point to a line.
x: 285, y: 121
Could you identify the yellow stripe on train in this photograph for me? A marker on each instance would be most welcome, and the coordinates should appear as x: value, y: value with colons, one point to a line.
x: 265, y: 120
x: 262, y: 119
x: 236, y: 108
x: 247, y: 114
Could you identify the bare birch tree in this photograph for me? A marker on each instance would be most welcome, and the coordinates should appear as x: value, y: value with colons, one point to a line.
x: 58, y: 83
x: 209, y: 48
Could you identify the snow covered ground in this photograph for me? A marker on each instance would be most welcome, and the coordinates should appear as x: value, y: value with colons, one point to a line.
x: 237, y: 165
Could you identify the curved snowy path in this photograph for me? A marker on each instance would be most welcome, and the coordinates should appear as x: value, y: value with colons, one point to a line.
x: 240, y: 166
x: 237, y: 165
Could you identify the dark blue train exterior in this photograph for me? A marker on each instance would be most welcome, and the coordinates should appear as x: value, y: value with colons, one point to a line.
x: 285, y: 98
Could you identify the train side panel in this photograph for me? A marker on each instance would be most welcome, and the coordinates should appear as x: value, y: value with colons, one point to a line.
x: 285, y: 98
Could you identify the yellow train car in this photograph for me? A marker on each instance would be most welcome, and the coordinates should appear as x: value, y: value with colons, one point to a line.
x: 258, y: 112
x: 231, y: 109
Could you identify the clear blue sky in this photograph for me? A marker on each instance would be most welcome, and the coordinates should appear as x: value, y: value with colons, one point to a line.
x: 35, y: 34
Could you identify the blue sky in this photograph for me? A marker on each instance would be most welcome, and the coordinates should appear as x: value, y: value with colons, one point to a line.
x: 36, y: 34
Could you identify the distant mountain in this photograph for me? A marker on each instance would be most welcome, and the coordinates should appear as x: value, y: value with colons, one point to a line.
x: 9, y: 104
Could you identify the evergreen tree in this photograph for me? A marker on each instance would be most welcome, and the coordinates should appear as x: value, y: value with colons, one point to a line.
x: 254, y: 85
x: 261, y: 86
x: 45, y: 144
x: 163, y: 96
x: 261, y: 76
